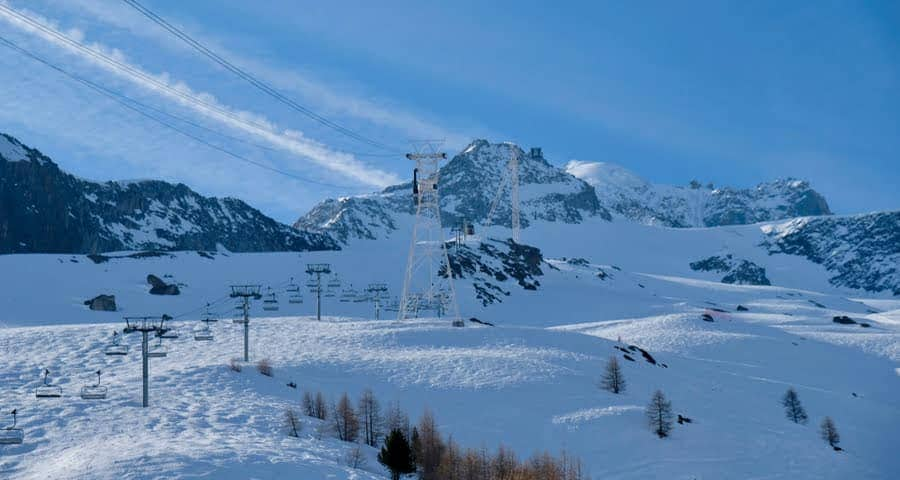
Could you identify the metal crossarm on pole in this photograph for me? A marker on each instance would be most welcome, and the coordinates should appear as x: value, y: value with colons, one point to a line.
x: 315, y: 271
x: 245, y: 293
x: 145, y: 325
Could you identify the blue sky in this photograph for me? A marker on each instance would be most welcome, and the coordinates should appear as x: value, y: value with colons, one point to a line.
x: 735, y: 93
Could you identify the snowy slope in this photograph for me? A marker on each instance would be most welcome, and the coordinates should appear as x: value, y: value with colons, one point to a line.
x: 633, y: 198
x: 529, y: 382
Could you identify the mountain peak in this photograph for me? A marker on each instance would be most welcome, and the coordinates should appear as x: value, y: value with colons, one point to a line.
x: 634, y: 198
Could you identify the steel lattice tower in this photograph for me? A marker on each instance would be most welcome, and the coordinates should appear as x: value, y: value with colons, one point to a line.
x: 424, y: 289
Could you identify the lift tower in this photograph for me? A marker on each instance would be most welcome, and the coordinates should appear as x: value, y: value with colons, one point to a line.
x: 245, y: 293
x: 376, y: 293
x: 316, y: 270
x: 424, y: 288
x: 145, y: 325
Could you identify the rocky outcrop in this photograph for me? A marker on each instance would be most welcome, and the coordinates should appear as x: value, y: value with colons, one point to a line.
x: 742, y: 272
x: 493, y: 263
x: 103, y: 303
x: 44, y: 209
x: 860, y: 251
x: 160, y: 287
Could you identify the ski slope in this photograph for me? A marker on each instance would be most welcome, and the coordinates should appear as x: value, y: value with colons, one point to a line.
x: 529, y: 383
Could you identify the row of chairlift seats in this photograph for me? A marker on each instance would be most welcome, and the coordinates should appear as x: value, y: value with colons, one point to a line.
x: 12, y: 435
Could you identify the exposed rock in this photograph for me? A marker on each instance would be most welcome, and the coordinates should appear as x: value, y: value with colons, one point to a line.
x: 159, y: 287
x: 494, y: 262
x: 742, y: 272
x: 742, y: 308
x: 861, y: 251
x: 103, y: 303
x: 46, y: 210
x: 843, y: 320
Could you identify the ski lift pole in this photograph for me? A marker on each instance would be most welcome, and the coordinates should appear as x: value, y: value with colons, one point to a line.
x: 145, y: 359
x: 246, y: 329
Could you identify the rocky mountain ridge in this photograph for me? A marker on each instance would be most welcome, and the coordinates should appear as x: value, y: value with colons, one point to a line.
x: 44, y: 209
x: 697, y: 205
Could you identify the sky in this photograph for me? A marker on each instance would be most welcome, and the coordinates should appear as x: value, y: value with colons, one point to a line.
x: 734, y: 93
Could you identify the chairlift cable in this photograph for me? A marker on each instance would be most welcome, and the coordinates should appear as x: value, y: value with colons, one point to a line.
x: 137, y: 106
x: 256, y: 82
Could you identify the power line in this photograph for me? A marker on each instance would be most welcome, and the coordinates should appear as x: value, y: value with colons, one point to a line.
x: 250, y: 124
x: 256, y: 82
x: 137, y: 107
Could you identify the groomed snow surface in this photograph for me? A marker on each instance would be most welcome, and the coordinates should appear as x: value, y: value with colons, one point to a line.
x: 529, y: 383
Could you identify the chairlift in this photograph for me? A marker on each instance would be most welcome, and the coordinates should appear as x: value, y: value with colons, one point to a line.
x: 292, y: 287
x: 116, y: 347
x: 204, y: 334
x: 12, y: 435
x: 210, y: 318
x: 348, y: 294
x: 169, y: 334
x: 270, y: 304
x: 48, y: 390
x: 334, y: 282
x: 295, y: 297
x: 329, y: 293
x: 94, y: 392
x: 159, y: 350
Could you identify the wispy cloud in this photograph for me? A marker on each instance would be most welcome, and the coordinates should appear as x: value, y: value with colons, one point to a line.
x: 341, y: 100
x: 162, y: 84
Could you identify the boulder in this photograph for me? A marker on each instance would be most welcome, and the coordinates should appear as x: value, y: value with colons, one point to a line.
x: 103, y: 303
x: 843, y: 320
x: 159, y: 287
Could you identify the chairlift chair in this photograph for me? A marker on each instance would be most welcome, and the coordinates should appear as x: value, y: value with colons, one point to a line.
x: 210, y: 318
x: 204, y: 335
x: 116, y: 347
x: 159, y: 350
x: 12, y: 435
x: 48, y: 390
x: 295, y: 297
x: 94, y: 392
x: 169, y: 334
x: 334, y: 282
x: 348, y: 294
x: 328, y: 293
x: 270, y: 304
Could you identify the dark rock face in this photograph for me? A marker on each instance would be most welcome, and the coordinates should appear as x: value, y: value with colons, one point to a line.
x: 43, y: 209
x: 843, y: 320
x: 862, y: 251
x: 743, y: 272
x: 468, y: 185
x: 494, y: 262
x: 159, y: 287
x: 103, y: 303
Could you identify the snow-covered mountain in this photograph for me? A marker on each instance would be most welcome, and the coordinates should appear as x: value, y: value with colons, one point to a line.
x: 468, y: 184
x: 44, y: 209
x: 859, y: 251
x: 633, y: 198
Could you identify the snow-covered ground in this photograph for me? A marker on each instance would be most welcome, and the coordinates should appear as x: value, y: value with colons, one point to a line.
x: 529, y: 383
